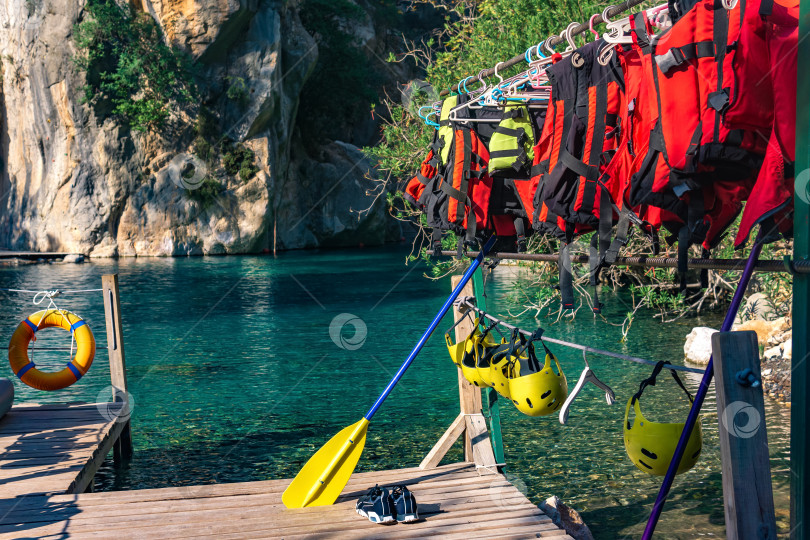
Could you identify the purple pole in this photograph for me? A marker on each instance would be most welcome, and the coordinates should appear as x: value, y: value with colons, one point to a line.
x: 691, y: 420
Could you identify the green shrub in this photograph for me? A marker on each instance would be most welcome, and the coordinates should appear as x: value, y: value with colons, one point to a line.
x: 129, y: 66
x: 238, y: 91
x: 207, y: 193
x: 238, y: 159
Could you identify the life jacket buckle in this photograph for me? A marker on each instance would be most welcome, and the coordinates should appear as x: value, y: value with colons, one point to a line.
x: 671, y: 59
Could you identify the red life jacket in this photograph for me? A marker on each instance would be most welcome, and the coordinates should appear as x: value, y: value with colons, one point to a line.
x: 415, y: 189
x: 766, y: 55
x: 690, y: 148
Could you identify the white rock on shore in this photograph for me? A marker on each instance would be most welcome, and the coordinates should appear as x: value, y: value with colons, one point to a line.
x: 698, y: 346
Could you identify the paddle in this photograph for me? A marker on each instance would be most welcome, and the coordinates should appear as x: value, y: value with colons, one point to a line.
x: 324, y: 476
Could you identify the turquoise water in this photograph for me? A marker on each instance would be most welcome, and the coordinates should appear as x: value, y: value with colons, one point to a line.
x: 235, y: 377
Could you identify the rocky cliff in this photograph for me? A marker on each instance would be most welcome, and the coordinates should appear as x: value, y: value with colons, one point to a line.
x: 76, y: 178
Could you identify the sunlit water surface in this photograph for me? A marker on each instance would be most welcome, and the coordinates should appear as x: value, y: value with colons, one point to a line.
x: 235, y: 377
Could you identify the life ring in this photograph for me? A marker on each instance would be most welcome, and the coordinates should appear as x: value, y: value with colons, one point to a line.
x: 26, y: 370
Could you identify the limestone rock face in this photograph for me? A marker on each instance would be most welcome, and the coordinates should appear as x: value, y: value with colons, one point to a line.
x: 73, y: 182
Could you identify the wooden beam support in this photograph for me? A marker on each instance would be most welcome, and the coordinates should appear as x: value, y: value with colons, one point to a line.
x: 469, y: 395
x: 445, y: 442
x: 747, y: 489
x: 478, y: 435
x: 122, y: 447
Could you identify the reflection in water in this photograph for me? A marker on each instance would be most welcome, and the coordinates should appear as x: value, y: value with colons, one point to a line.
x: 236, y: 377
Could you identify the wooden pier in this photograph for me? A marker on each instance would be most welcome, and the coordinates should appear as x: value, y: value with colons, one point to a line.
x: 454, y: 502
x: 50, y: 453
x: 55, y: 448
x: 32, y: 255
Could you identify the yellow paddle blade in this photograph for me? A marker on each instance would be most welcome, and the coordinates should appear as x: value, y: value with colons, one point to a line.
x: 324, y: 476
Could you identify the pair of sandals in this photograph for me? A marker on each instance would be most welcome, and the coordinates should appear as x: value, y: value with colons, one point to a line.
x: 384, y: 507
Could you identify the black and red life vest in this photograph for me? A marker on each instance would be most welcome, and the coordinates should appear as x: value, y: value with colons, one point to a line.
x: 696, y: 168
x: 765, y: 57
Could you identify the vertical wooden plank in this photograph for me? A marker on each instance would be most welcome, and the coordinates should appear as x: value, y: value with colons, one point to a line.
x: 747, y: 489
x: 479, y: 437
x: 493, y: 408
x: 469, y: 395
x: 115, y: 351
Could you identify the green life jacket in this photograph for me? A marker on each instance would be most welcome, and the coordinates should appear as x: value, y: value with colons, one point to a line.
x: 511, y: 149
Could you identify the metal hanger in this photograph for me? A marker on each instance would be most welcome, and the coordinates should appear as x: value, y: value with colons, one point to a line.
x: 587, y: 376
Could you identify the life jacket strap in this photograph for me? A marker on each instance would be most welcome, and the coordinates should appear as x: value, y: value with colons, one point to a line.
x: 453, y: 192
x: 678, y: 55
x: 683, y: 256
x: 582, y: 169
x: 539, y: 168
x: 520, y: 230
x: 566, y: 279
x: 595, y: 262
x: 436, y: 241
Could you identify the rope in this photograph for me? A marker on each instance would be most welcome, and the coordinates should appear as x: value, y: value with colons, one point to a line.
x: 55, y: 290
x: 465, y: 302
x: 39, y: 298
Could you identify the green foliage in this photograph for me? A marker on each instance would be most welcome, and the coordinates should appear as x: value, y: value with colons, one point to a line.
x: 238, y: 91
x: 476, y: 35
x: 129, y: 66
x: 239, y: 159
x: 207, y: 193
x: 343, y: 83
x: 203, y: 149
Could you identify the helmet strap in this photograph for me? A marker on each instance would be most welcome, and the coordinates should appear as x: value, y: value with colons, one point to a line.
x: 650, y: 381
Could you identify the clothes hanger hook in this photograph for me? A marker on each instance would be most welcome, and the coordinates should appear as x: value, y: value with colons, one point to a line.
x: 547, y: 44
x: 605, y: 17
x: 590, y: 25
x: 539, y: 50
x: 566, y: 34
x: 500, y: 78
x: 585, y: 358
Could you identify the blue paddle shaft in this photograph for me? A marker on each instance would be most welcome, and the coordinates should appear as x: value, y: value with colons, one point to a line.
x: 411, y: 357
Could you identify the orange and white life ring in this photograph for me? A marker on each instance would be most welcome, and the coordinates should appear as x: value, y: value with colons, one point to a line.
x: 27, y: 371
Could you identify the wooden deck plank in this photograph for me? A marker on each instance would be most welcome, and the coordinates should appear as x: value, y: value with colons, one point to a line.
x: 54, y: 448
x: 270, y: 502
x: 50, y: 452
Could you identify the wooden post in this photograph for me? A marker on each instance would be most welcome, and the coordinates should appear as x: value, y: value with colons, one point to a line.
x: 490, y: 395
x: 747, y: 489
x: 118, y: 368
x: 469, y: 395
x: 470, y: 422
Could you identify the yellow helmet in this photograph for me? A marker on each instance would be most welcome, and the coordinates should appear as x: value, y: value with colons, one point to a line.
x: 536, y: 390
x: 484, y: 349
x: 651, y: 445
x: 466, y: 353
x: 503, y: 365
x: 458, y: 350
